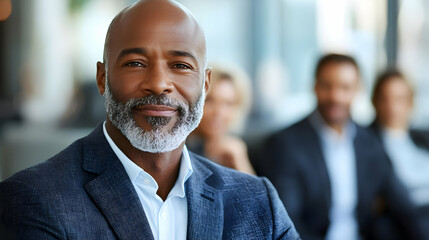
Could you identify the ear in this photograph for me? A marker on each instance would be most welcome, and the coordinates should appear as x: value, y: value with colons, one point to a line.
x: 207, y: 79
x: 101, y: 77
x: 315, y: 86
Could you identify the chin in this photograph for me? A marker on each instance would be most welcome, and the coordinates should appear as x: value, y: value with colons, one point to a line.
x: 337, y: 119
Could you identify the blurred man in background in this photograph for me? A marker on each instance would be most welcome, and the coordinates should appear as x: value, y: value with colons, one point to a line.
x: 333, y: 175
x: 408, y: 149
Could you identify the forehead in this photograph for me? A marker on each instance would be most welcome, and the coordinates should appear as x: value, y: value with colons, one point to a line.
x: 154, y: 32
x: 396, y: 84
x: 339, y: 72
x: 223, y: 83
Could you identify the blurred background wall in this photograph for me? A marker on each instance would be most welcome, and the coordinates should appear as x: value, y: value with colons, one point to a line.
x: 49, y: 50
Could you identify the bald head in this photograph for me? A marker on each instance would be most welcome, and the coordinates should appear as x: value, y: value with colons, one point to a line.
x: 154, y: 17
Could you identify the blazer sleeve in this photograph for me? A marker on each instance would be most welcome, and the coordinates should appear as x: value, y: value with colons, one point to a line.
x: 283, y: 227
x: 24, y: 214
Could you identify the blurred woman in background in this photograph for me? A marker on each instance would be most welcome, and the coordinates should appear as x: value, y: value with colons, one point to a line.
x: 408, y: 149
x: 225, y: 111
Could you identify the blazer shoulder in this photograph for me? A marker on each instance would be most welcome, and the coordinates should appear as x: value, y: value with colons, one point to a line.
x: 223, y: 177
x: 34, y: 196
x: 369, y: 136
x: 298, y: 128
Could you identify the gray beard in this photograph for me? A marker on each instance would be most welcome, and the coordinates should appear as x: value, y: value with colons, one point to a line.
x: 156, y: 140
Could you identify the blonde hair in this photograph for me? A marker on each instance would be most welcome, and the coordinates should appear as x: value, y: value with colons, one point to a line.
x: 241, y: 83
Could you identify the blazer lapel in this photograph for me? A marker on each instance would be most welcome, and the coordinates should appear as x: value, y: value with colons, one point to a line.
x: 205, y: 206
x: 112, y: 190
x: 316, y: 155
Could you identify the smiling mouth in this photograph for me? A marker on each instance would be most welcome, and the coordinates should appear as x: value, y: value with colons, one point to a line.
x: 156, y: 110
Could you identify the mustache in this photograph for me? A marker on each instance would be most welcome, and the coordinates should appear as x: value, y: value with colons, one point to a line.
x: 153, y: 99
x: 332, y: 104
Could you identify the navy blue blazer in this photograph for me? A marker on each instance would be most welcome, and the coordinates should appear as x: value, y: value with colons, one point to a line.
x: 85, y: 193
x: 294, y: 162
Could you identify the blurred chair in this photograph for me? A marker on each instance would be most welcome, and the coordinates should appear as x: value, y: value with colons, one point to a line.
x: 225, y: 111
x: 23, y: 146
x: 86, y: 109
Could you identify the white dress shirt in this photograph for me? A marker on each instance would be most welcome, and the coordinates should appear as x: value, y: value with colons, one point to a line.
x: 168, y: 219
x: 340, y: 159
x: 410, y: 163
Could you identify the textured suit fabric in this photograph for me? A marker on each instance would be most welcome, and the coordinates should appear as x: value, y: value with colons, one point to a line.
x: 85, y: 193
x: 293, y: 161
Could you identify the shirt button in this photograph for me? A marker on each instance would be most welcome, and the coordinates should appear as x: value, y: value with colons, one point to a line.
x: 163, y: 214
x: 146, y: 181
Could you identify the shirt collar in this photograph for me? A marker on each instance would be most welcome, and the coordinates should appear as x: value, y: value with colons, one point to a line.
x: 185, y: 172
x: 135, y: 172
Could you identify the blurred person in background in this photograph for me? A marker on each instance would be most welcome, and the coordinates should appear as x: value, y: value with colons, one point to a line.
x: 332, y: 174
x: 225, y: 110
x: 5, y: 9
x: 408, y: 149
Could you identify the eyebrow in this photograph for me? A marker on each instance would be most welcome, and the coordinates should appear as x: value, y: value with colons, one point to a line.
x: 131, y: 51
x: 182, y: 54
x: 143, y: 51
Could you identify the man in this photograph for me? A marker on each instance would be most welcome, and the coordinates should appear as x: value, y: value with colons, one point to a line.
x: 132, y: 177
x: 408, y: 149
x: 333, y: 175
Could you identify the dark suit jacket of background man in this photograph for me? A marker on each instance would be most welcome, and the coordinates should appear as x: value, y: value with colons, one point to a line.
x: 294, y: 162
x: 84, y: 192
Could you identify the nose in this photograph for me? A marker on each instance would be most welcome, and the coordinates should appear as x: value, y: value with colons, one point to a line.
x: 157, y: 81
x: 335, y: 95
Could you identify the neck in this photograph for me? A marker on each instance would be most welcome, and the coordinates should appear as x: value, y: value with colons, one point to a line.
x: 337, y: 127
x: 397, y: 126
x: 163, y: 167
x: 396, y: 129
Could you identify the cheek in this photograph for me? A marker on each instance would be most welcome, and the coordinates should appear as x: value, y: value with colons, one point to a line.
x: 400, y: 107
x: 349, y: 97
x: 229, y: 112
x: 188, y: 85
x: 123, y: 87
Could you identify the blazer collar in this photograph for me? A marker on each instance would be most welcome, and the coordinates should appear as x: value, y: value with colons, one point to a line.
x: 112, y: 190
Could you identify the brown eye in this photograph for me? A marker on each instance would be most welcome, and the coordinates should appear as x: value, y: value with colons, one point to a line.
x: 181, y: 66
x: 134, y: 64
